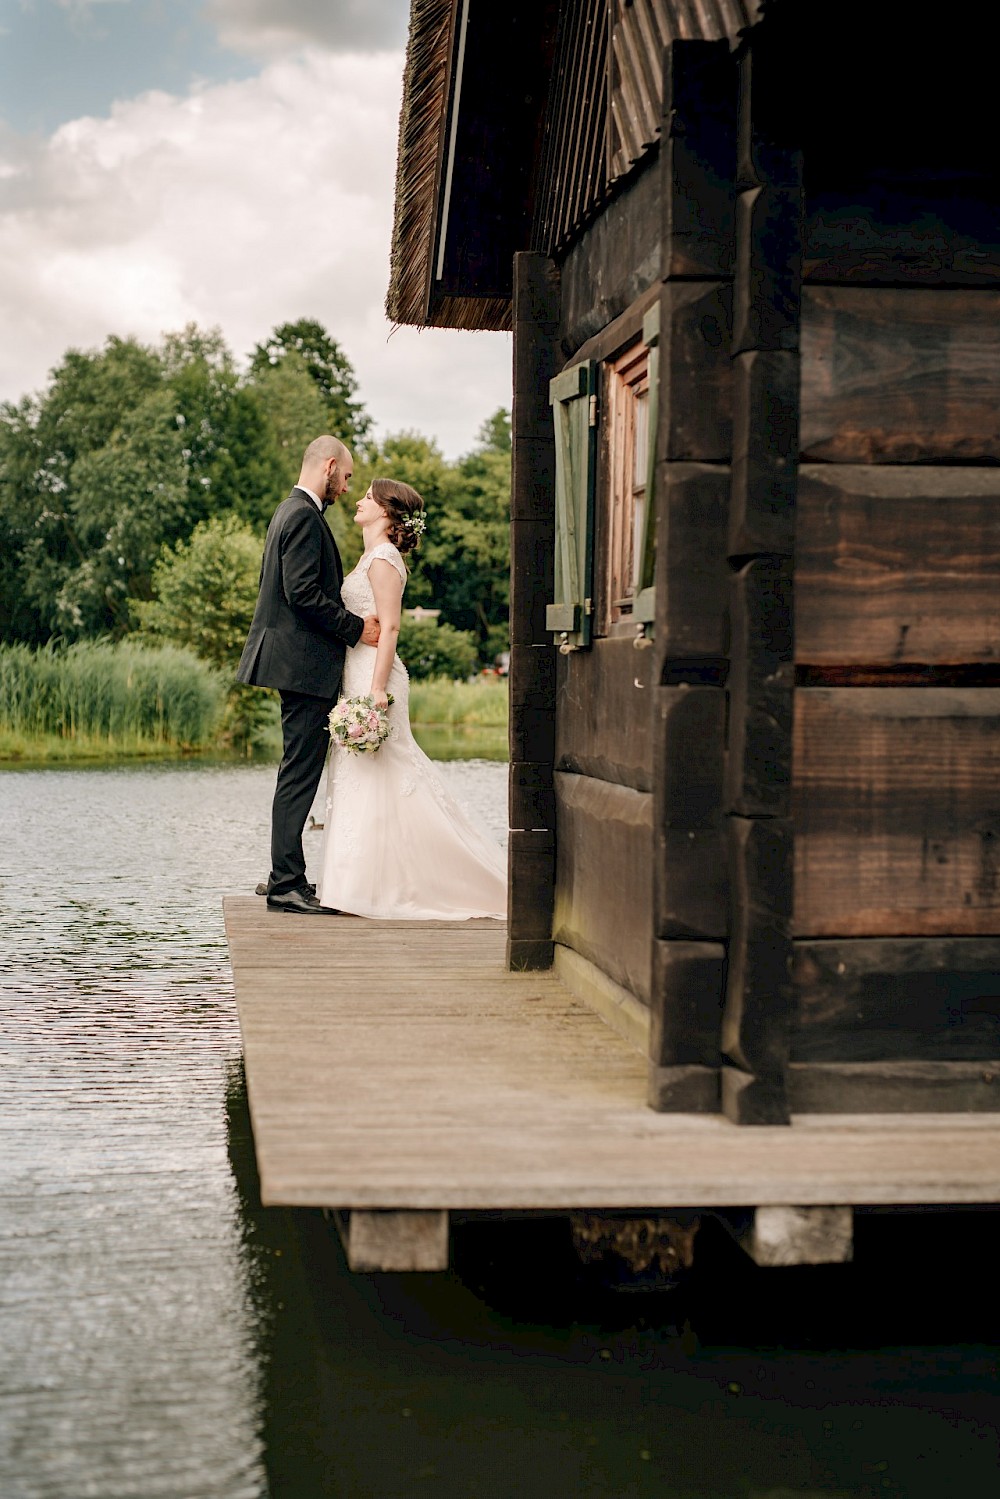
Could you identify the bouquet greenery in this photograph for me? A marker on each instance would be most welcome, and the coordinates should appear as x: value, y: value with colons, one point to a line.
x: 357, y: 725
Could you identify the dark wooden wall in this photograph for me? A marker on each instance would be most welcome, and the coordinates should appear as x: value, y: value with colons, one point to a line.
x: 780, y: 826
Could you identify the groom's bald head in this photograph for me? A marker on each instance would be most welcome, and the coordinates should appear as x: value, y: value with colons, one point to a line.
x: 327, y: 467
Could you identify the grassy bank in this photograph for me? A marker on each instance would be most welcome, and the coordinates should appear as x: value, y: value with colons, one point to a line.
x: 98, y: 701
x: 481, y: 704
x: 460, y: 720
x: 102, y: 701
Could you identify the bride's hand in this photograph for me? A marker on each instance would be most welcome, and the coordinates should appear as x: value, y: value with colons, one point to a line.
x: 381, y: 699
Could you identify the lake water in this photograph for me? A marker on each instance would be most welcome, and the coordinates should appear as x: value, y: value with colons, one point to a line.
x: 163, y: 1335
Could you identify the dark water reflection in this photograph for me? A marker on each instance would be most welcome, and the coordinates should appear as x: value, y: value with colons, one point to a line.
x: 162, y: 1335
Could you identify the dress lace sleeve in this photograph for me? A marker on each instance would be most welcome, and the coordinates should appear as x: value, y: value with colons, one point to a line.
x: 388, y: 553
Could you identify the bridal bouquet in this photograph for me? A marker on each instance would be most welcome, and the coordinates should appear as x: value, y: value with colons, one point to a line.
x: 358, y: 725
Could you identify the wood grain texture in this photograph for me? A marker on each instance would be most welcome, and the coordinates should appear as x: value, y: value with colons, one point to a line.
x: 614, y: 261
x: 768, y: 267
x: 894, y: 1087
x: 896, y: 807
x: 532, y: 680
x: 531, y: 867
x: 604, y: 713
x: 692, y: 577
x: 532, y: 552
x: 603, y: 894
x: 900, y: 375
x: 691, y: 872
x: 765, y: 454
x: 397, y: 1065
x: 916, y: 234
x: 759, y: 758
x: 897, y: 564
x: 531, y: 801
x: 686, y: 1003
x: 698, y: 159
x: 896, y: 999
x: 757, y: 1013
x: 532, y: 734
x: 696, y: 376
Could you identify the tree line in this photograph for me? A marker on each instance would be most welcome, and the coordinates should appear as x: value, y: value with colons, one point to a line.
x: 136, y: 488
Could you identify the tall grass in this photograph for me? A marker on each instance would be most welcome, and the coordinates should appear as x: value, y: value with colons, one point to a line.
x: 478, y: 704
x: 99, y: 697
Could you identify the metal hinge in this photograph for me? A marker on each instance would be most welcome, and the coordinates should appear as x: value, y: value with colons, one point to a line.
x: 593, y: 411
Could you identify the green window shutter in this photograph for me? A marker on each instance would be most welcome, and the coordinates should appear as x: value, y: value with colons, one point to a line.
x: 573, y: 395
x: 644, y: 609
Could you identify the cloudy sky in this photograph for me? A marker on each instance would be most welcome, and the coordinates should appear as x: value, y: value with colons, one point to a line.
x: 224, y: 162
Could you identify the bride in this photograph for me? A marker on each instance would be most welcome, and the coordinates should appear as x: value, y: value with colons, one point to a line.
x: 395, y: 843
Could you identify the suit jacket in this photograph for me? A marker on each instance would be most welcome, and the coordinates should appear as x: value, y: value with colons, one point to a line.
x: 300, y: 630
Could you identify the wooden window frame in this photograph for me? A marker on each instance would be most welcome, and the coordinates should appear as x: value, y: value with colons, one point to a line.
x: 626, y: 433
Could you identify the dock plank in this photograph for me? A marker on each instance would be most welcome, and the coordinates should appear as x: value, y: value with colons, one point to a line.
x: 397, y: 1065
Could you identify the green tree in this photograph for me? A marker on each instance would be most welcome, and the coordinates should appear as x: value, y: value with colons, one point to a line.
x: 436, y: 650
x: 42, y: 439
x: 465, y: 555
x: 204, y: 590
x: 328, y: 366
x: 126, y: 499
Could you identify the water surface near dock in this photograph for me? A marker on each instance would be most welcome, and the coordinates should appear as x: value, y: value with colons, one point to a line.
x: 162, y: 1335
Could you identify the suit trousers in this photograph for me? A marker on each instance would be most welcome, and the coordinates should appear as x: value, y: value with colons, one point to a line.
x: 306, y: 736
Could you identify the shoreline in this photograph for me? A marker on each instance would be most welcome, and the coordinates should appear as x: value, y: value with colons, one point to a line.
x: 51, y: 752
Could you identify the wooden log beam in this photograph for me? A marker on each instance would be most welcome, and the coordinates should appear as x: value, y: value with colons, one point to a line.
x: 394, y: 1241
x: 900, y: 375
x: 769, y: 263
x: 765, y: 454
x: 897, y: 564
x: 604, y: 716
x: 895, y: 999
x: 778, y: 1235
x: 692, y: 577
x: 686, y: 1014
x: 698, y: 159
x: 691, y: 869
x: 759, y: 759
x: 603, y: 901
x: 896, y: 809
x: 531, y: 854
x: 757, y: 1016
x: 696, y: 375
x: 894, y: 1087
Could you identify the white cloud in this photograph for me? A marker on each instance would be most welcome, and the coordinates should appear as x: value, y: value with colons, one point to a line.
x: 262, y: 29
x: 244, y: 205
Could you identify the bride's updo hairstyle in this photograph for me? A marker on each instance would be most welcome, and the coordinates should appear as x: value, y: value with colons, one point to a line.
x: 405, y: 510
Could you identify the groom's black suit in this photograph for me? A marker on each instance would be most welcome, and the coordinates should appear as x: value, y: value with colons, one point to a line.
x: 297, y: 643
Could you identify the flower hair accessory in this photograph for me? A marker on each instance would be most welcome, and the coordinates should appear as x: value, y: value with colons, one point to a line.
x: 417, y: 523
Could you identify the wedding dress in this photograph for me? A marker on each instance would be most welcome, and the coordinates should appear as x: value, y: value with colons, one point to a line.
x: 395, y: 842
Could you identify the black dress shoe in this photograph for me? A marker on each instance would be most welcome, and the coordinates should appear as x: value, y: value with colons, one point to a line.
x: 262, y: 888
x: 298, y: 903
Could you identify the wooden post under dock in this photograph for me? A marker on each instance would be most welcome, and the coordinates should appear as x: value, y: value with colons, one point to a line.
x: 398, y: 1068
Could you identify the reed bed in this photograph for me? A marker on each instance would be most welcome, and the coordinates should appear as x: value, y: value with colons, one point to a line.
x: 478, y: 704
x: 98, y: 698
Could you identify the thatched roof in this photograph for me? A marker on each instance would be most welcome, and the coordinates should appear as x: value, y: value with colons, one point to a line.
x: 414, y: 296
x: 422, y: 125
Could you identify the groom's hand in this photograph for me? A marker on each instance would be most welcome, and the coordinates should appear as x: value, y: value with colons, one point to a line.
x: 370, y: 633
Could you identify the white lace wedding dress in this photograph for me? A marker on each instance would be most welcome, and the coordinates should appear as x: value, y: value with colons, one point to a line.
x: 395, y: 843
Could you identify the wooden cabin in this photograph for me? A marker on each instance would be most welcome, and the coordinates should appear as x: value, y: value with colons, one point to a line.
x: 750, y: 254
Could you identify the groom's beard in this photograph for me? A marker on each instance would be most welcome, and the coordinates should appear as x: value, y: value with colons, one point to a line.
x: 330, y: 489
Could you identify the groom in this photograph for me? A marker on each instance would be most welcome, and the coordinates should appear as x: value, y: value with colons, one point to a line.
x: 297, y: 643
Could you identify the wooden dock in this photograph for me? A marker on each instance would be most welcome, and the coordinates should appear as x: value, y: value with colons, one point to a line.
x: 399, y: 1066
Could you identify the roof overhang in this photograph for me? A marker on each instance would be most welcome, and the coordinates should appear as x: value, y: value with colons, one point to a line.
x: 475, y: 86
